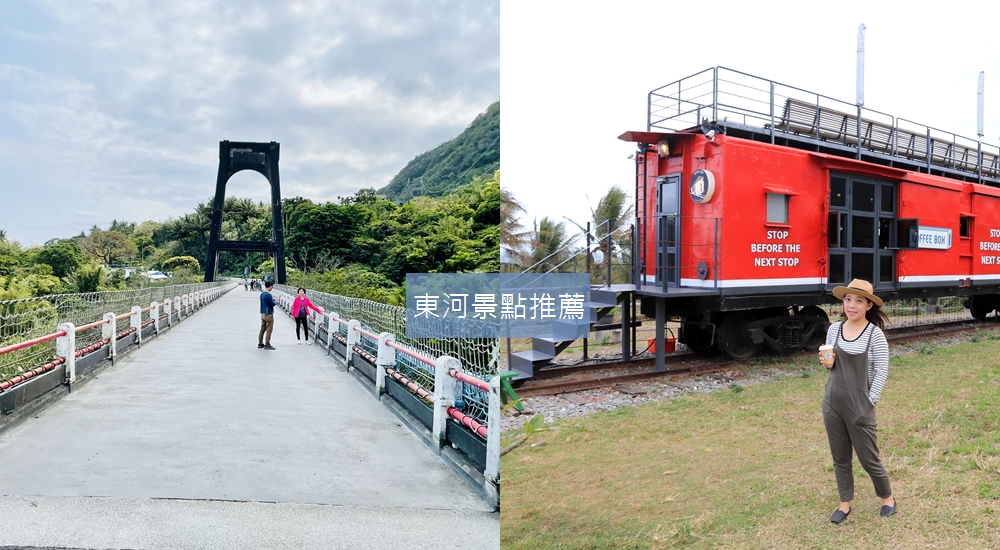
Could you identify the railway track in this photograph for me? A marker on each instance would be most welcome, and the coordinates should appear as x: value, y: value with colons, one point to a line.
x: 567, y: 379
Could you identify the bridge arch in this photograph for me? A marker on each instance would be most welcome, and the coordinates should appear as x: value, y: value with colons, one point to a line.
x: 235, y: 157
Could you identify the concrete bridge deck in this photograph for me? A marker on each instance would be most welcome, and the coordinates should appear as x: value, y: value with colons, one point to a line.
x: 201, y: 440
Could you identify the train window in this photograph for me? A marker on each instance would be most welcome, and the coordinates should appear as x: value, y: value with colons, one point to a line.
x: 837, y: 229
x: 863, y: 232
x: 777, y: 208
x: 906, y: 233
x: 965, y: 226
x: 836, y: 268
x: 888, y: 204
x: 885, y: 268
x: 862, y: 266
x: 838, y: 192
x: 885, y: 232
x: 668, y: 186
x: 864, y: 196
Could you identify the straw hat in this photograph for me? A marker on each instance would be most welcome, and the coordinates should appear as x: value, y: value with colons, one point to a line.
x: 860, y: 287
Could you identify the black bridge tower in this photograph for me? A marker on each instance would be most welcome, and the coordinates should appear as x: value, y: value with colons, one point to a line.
x: 235, y: 156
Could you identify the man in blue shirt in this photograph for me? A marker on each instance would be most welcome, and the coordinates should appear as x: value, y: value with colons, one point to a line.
x: 266, y: 316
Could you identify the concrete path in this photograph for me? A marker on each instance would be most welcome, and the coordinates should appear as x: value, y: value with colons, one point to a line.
x: 201, y: 440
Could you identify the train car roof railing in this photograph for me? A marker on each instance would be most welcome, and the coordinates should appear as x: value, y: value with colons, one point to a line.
x: 766, y: 110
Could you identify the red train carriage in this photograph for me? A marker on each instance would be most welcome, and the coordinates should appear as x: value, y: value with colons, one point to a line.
x: 754, y: 199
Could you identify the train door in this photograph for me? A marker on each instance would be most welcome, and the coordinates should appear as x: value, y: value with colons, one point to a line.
x: 668, y: 229
x: 862, y: 227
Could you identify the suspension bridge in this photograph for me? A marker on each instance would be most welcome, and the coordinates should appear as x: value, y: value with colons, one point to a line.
x: 150, y: 419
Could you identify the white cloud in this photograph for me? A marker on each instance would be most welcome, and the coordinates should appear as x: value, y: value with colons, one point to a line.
x: 129, y: 98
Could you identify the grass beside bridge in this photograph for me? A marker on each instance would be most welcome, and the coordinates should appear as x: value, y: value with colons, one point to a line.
x: 752, y: 468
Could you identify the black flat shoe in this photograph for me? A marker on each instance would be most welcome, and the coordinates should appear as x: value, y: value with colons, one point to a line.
x: 839, y: 515
x: 887, y: 511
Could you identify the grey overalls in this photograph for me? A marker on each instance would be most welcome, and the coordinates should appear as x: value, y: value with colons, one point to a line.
x: 849, y: 417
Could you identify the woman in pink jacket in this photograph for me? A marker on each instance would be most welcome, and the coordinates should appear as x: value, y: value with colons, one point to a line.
x: 300, y: 311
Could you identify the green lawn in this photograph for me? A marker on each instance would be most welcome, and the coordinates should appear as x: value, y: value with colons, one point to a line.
x: 752, y: 469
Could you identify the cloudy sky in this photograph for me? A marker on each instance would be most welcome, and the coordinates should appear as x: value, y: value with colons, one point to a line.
x: 115, y: 108
x: 575, y: 79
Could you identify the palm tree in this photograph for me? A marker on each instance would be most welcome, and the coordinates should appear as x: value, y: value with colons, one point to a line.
x: 611, y: 216
x: 514, y: 239
x: 550, y: 244
x: 613, y: 208
x: 3, y: 235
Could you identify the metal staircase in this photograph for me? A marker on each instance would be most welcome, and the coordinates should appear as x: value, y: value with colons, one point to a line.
x: 543, y: 350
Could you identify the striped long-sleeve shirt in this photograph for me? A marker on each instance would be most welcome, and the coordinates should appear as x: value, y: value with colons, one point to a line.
x: 878, y: 354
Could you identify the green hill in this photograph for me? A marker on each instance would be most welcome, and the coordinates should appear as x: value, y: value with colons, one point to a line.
x: 455, y: 163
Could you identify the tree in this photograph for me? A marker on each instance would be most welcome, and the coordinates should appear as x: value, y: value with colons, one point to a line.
x: 144, y: 245
x: 108, y: 246
x: 8, y: 265
x: 514, y: 239
x: 549, y: 245
x: 65, y: 257
x: 122, y: 226
x: 329, y: 228
x: 611, y: 216
x: 181, y: 262
x: 88, y: 278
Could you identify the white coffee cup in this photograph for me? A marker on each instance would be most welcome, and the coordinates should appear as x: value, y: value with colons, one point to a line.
x: 826, y: 352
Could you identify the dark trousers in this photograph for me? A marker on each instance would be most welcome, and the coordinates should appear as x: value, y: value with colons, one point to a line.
x: 851, y: 426
x: 304, y: 323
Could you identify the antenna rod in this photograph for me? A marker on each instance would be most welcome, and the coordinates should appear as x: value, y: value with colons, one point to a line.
x: 861, y: 65
x: 979, y: 106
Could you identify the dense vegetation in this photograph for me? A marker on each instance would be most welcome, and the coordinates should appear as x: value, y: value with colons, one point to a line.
x: 362, y: 245
x: 451, y: 165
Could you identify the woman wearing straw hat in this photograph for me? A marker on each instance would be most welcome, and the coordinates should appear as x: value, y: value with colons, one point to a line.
x: 858, y: 370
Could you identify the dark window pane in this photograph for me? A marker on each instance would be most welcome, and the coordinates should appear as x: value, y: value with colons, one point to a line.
x: 864, y: 196
x: 906, y: 233
x: 862, y: 266
x: 843, y: 229
x: 885, y: 268
x: 964, y: 226
x: 836, y: 268
x: 888, y: 198
x: 833, y: 230
x: 668, y: 195
x: 884, y: 232
x: 668, y: 225
x: 838, y: 192
x: 863, y: 232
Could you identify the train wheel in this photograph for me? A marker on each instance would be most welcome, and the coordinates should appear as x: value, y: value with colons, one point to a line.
x: 981, y: 308
x: 697, y: 339
x: 818, y: 337
x: 734, y: 339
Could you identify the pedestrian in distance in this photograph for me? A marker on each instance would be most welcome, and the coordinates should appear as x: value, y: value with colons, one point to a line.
x: 858, y: 368
x: 266, y: 318
x: 246, y: 285
x: 300, y: 311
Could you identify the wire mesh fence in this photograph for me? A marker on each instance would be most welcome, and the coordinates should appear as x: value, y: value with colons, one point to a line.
x: 914, y: 312
x: 480, y: 357
x: 22, y: 320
